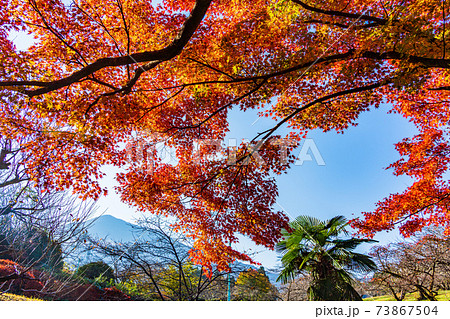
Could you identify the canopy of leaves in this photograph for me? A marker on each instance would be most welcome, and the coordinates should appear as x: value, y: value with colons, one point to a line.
x: 108, y: 73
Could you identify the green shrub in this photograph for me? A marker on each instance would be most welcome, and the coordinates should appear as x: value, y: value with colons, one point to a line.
x: 96, y: 269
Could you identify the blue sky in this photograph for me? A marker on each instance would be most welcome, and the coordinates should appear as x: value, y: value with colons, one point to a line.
x: 352, y: 180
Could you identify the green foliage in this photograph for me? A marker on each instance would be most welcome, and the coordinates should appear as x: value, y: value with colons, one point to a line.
x: 138, y: 289
x: 103, y: 281
x: 69, y: 275
x: 313, y: 246
x: 97, y: 270
x: 179, y: 285
x: 254, y: 285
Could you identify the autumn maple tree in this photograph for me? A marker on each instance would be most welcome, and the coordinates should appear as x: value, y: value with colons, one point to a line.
x: 106, y: 76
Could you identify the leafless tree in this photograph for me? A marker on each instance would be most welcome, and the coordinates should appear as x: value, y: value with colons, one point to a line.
x: 12, y: 169
x: 419, y: 265
x: 296, y: 290
x: 35, y: 225
x: 161, y: 256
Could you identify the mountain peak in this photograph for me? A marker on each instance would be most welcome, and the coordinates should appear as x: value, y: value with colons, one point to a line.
x: 112, y: 228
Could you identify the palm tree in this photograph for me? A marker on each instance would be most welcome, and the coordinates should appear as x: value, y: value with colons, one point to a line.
x: 313, y: 246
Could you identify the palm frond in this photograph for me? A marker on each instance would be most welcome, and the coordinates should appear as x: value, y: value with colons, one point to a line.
x: 362, y: 263
x: 312, y: 246
x: 336, y: 225
x: 350, y: 244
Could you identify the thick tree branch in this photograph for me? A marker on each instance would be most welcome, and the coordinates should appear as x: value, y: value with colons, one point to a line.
x: 3, y: 163
x: 172, y: 50
x: 342, y: 25
x: 392, y: 55
x: 441, y: 88
x: 335, y: 13
x: 265, y: 77
x: 351, y: 54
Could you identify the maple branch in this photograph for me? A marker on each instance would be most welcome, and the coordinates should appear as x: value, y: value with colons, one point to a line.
x: 100, y: 23
x: 147, y: 110
x: 390, y: 55
x: 269, y: 132
x: 51, y: 86
x: 127, y: 31
x: 342, y: 25
x: 341, y: 14
x: 23, y: 83
x: 169, y: 52
x: 93, y: 79
x: 212, y: 68
x: 3, y: 153
x: 440, y: 199
x: 34, y: 5
x: 137, y: 74
x: 443, y: 33
x: 331, y: 58
x: 441, y: 88
x: 210, y: 116
x: 393, y: 55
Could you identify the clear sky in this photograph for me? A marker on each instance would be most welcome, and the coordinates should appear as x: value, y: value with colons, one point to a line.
x: 352, y: 180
